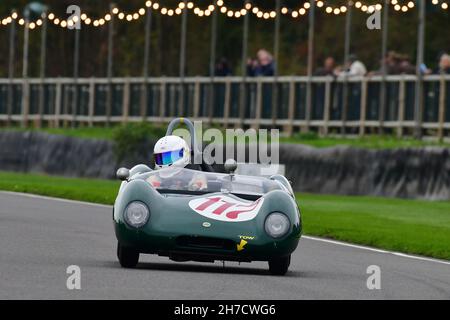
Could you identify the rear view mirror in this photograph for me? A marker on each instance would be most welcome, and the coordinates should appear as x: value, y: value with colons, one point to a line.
x: 230, y: 166
x: 123, y: 174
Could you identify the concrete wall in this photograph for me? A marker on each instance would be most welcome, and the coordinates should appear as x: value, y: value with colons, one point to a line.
x: 407, y: 173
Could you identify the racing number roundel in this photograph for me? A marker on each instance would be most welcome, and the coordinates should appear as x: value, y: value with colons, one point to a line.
x: 225, y: 208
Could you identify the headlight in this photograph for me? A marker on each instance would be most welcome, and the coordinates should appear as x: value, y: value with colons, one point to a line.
x: 136, y: 214
x: 277, y: 225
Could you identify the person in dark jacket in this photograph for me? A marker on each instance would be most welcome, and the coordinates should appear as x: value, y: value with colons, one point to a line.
x: 262, y: 66
x: 223, y: 68
x: 328, y: 68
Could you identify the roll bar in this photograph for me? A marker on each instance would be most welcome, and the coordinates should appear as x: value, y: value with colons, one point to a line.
x: 194, y: 146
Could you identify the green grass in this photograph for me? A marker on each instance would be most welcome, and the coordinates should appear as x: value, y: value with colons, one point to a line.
x: 410, y: 226
x: 311, y: 139
x: 369, y: 141
x: 91, y: 190
x: 82, y: 132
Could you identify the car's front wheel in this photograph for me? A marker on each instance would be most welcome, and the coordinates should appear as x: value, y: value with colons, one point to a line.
x: 279, y: 266
x: 128, y: 257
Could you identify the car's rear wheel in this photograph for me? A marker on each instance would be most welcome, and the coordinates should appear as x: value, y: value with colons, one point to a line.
x: 128, y: 257
x: 279, y: 266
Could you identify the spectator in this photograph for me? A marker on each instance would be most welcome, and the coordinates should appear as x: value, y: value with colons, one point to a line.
x: 328, y: 68
x: 405, y: 66
x: 444, y: 64
x: 262, y: 66
x: 392, y: 63
x: 353, y: 67
x: 223, y: 68
x: 395, y: 63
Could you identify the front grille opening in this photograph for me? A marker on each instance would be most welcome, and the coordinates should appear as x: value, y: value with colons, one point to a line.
x: 205, y: 243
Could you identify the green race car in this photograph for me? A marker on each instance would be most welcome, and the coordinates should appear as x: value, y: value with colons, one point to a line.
x: 231, y: 217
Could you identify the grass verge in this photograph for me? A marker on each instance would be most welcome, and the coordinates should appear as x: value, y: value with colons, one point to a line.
x: 138, y: 131
x: 410, y: 226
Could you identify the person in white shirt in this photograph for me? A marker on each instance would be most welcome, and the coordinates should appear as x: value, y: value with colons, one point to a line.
x: 353, y: 67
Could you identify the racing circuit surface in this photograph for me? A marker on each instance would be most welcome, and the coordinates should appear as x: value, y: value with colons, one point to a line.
x: 41, y: 237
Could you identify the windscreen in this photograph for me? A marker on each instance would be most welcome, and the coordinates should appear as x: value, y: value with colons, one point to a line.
x: 173, y: 178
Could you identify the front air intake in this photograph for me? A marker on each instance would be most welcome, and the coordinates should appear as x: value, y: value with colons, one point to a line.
x: 205, y: 243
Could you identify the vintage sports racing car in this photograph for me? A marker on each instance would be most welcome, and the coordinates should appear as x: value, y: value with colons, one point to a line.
x: 232, y: 218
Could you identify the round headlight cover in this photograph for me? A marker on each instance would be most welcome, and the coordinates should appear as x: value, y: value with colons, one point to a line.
x: 277, y: 225
x: 136, y: 214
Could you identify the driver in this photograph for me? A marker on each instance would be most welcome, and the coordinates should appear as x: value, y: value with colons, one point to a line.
x: 173, y: 152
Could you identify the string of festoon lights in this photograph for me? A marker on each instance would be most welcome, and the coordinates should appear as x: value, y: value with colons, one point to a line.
x: 207, y: 10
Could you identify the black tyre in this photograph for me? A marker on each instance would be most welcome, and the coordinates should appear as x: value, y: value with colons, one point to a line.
x: 128, y: 257
x: 279, y: 266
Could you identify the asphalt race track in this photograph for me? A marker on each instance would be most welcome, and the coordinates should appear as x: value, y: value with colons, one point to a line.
x: 40, y: 238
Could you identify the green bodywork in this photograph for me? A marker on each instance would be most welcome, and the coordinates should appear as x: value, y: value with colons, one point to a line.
x: 171, y: 220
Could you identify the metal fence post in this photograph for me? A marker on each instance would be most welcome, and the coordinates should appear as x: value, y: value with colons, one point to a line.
x: 12, y: 47
x: 212, y: 63
x: 75, y: 76
x: 196, y: 98
x: 42, y: 68
x: 162, y: 99
x: 382, y: 108
x: 126, y: 100
x: 310, y: 65
x: 362, y: 121
x: 58, y: 97
x: 227, y: 101
x: 418, y: 108
x: 401, y: 107
x: 276, y: 49
x: 242, y: 88
x: 144, y: 87
x: 25, y: 84
x: 442, y: 96
x: 257, y: 120
x: 326, y: 112
x: 182, y: 91
x: 291, y: 108
x: 348, y: 21
x: 91, y: 106
x: 109, y: 99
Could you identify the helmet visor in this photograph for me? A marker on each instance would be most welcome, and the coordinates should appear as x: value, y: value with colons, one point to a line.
x: 169, y: 157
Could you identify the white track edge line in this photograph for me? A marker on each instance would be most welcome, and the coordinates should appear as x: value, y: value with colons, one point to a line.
x: 404, y: 255
x: 37, y: 196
